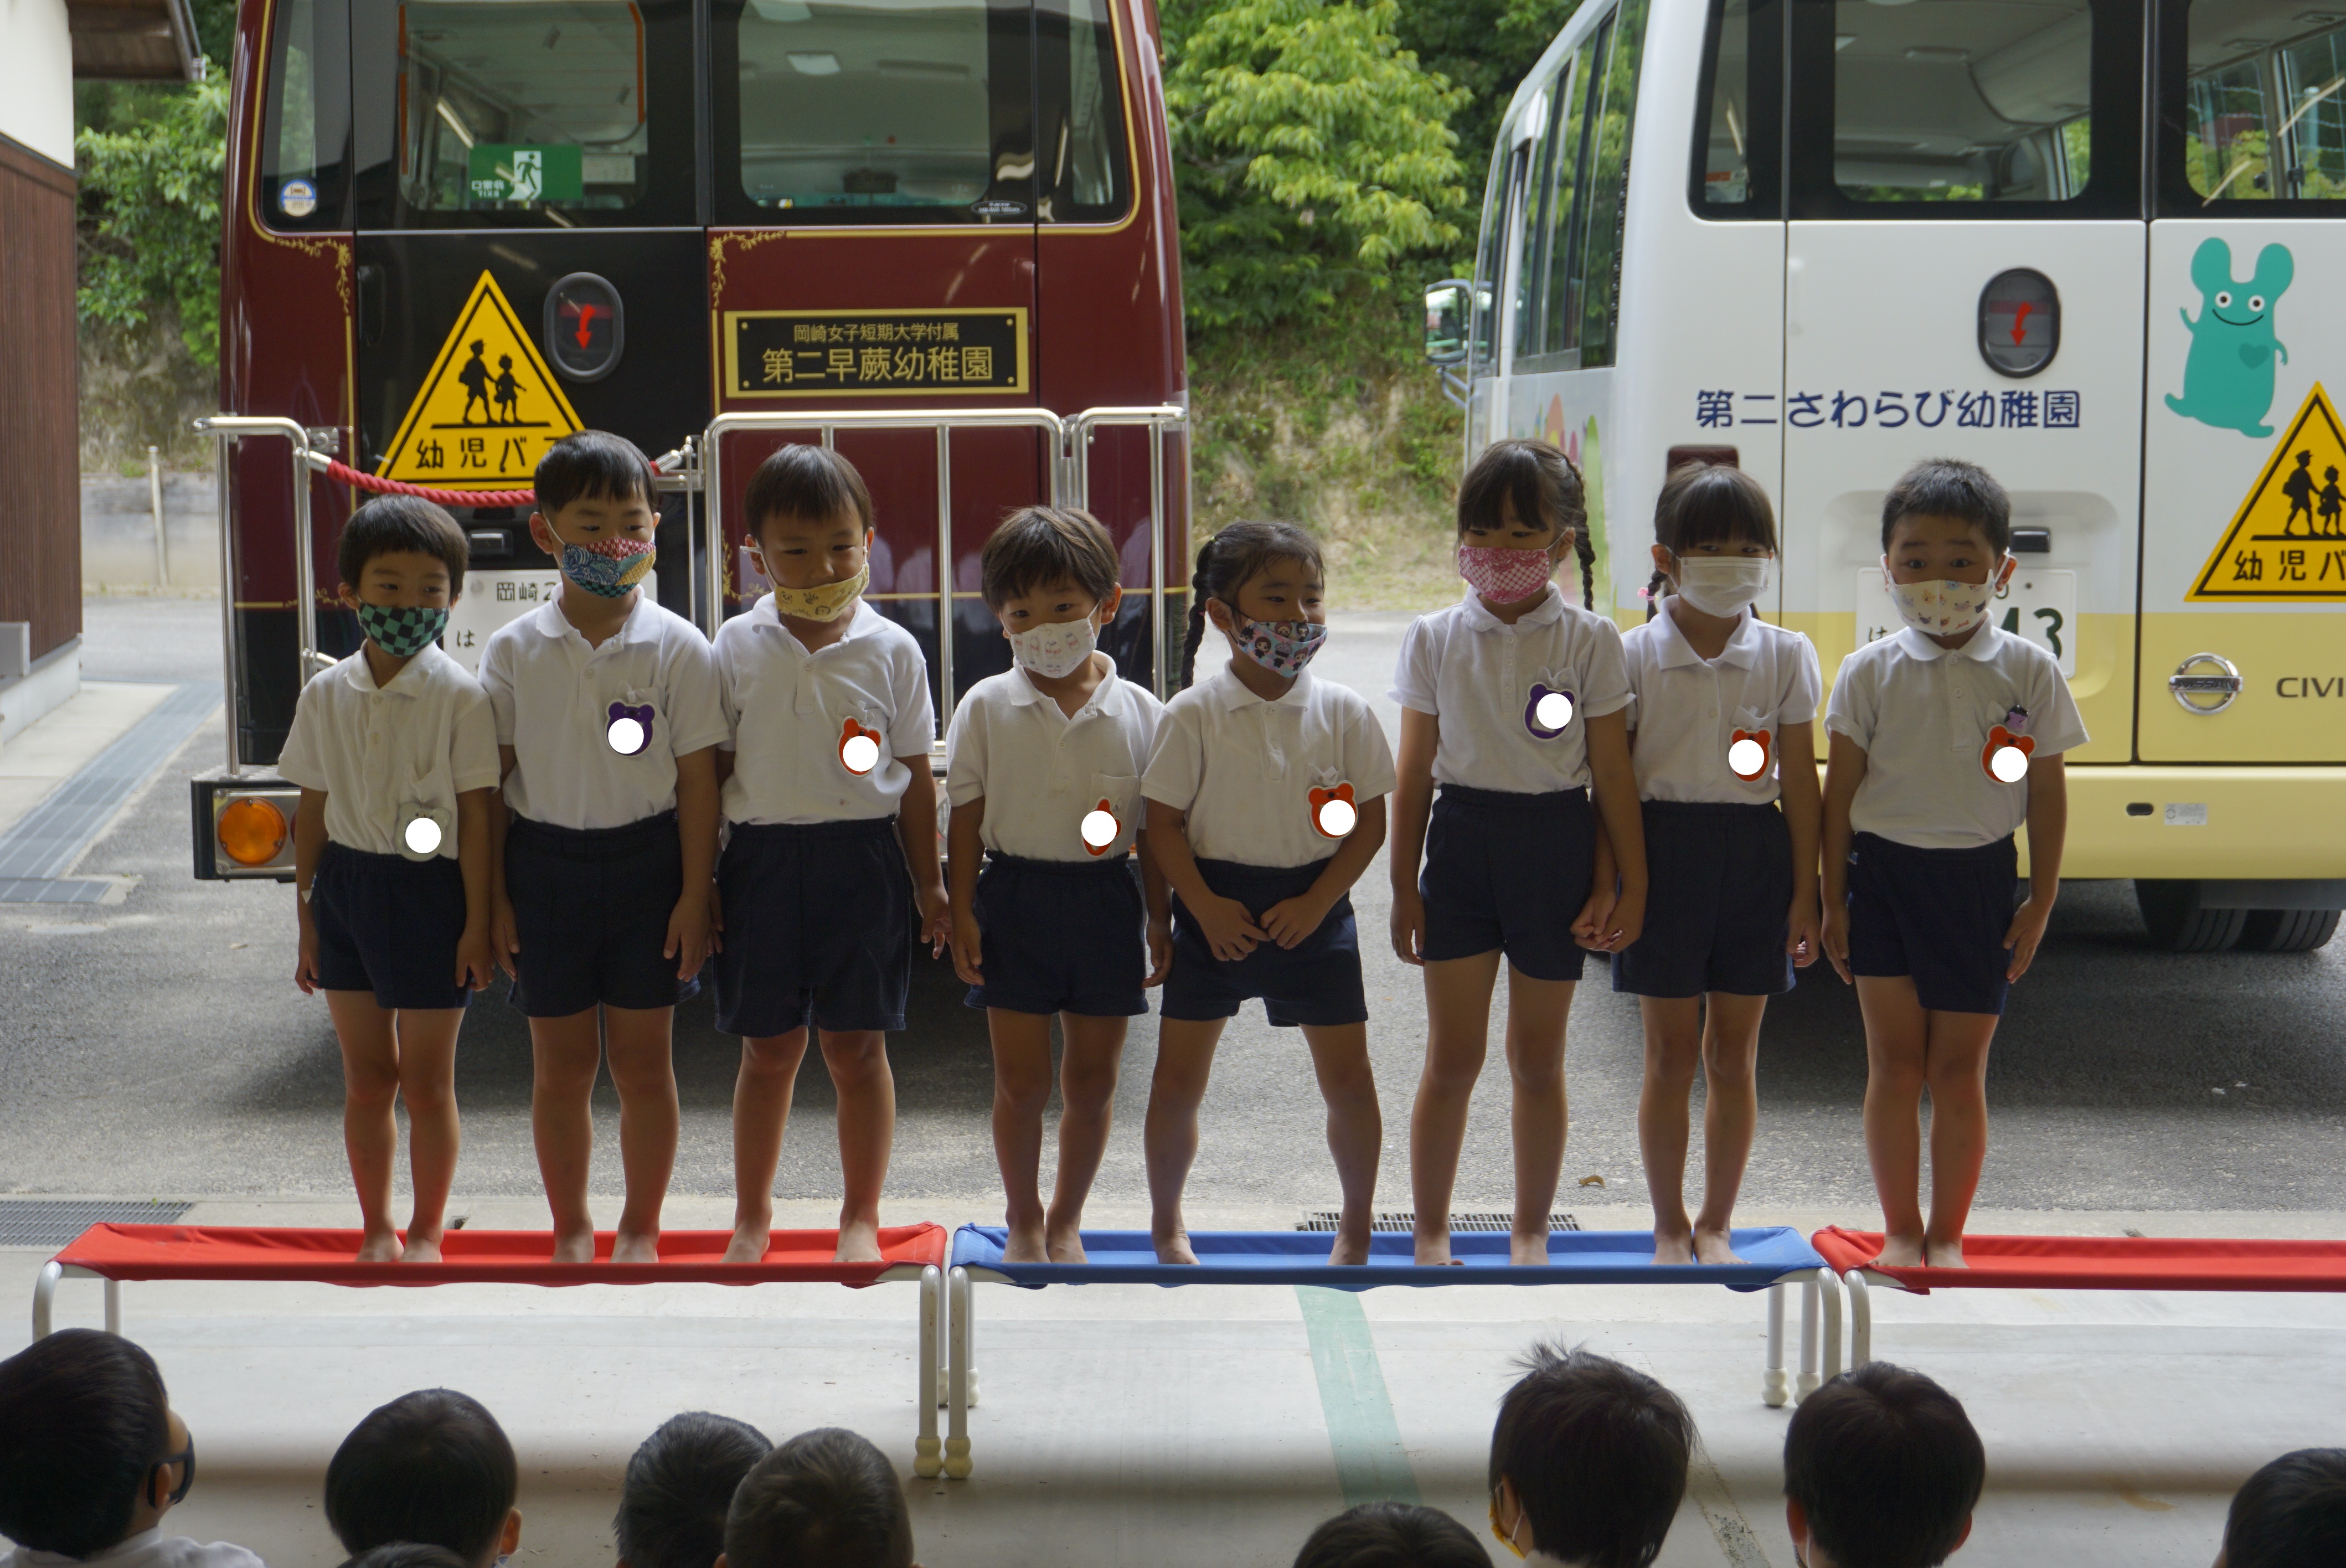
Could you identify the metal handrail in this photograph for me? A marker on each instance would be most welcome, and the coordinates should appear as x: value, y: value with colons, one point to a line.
x: 225, y: 428
x: 1156, y: 418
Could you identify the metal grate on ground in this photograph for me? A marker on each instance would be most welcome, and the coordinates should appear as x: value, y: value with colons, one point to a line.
x: 36, y: 852
x: 1404, y: 1220
x: 53, y: 1222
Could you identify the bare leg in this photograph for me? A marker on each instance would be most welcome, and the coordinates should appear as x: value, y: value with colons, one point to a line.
x: 1730, y: 1114
x: 643, y: 1070
x: 1458, y: 1027
x: 1185, y: 1061
x: 1673, y: 1051
x: 1091, y: 1053
x: 762, y: 1109
x: 427, y: 1081
x: 858, y: 1060
x: 1958, y: 1077
x: 369, y: 1130
x: 1021, y: 1087
x: 567, y: 1053
x: 1356, y: 1129
x: 1537, y: 1012
x: 1896, y: 1038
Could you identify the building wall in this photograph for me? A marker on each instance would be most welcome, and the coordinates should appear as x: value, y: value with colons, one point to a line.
x: 40, y: 526
x: 37, y: 78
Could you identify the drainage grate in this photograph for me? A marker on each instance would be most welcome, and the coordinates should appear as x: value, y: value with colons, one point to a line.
x: 38, y: 850
x: 1404, y: 1220
x: 48, y: 1222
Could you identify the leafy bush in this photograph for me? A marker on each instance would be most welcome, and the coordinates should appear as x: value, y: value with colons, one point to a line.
x: 150, y: 224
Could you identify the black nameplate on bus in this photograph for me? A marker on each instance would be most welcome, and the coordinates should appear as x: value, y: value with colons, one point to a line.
x: 874, y: 353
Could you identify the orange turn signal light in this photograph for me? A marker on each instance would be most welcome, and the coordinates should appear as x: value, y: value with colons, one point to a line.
x: 251, y: 833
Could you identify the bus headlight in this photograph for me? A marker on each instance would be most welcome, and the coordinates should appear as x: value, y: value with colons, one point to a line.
x: 253, y: 831
x: 244, y: 826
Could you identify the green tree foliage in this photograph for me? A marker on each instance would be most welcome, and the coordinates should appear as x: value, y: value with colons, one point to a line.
x: 151, y: 218
x: 1485, y: 47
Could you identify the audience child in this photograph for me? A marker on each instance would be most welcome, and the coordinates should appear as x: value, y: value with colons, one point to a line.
x: 829, y: 793
x: 1882, y: 1470
x: 92, y: 1457
x: 2290, y: 1514
x: 826, y: 1499
x: 432, y: 1467
x: 1266, y: 802
x: 678, y: 1486
x: 608, y: 725
x: 1512, y: 701
x: 1945, y: 737
x: 1588, y: 1461
x: 1391, y: 1535
x: 1723, y: 737
x: 391, y: 851
x: 406, y: 1554
x: 1043, y: 777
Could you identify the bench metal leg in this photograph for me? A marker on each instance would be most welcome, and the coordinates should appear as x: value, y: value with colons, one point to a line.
x: 957, y: 1457
x: 1808, y: 1379
x: 1774, y: 1387
x: 928, y: 1459
x: 1829, y: 1288
x: 1861, y: 1318
x: 114, y: 1307
x: 45, y: 1298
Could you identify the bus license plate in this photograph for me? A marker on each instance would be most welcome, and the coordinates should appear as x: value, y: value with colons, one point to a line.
x: 2040, y: 605
x: 492, y: 599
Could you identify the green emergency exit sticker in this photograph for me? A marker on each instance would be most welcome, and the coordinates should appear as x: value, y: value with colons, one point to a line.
x: 503, y: 172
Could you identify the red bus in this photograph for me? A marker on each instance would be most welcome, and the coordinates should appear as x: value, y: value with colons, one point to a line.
x: 455, y: 229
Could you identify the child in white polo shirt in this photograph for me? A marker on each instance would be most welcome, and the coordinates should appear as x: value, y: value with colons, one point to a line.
x: 1044, y: 782
x: 1512, y: 701
x: 608, y: 726
x: 395, y: 752
x: 1945, y: 738
x: 1726, y: 709
x: 1266, y: 802
x: 831, y: 800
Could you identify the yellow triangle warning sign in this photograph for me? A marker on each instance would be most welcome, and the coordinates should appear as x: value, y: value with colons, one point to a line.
x: 489, y: 407
x: 2287, y: 540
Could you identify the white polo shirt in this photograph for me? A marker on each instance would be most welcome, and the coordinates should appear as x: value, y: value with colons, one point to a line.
x: 553, y: 692
x: 148, y: 1549
x: 1687, y: 709
x: 1040, y: 771
x: 1475, y: 673
x: 1923, y: 714
x: 1243, y: 769
x: 379, y: 752
x: 789, y: 709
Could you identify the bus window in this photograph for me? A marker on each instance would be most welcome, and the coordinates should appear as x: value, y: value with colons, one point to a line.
x: 1506, y: 161
x: 1089, y: 179
x: 306, y: 139
x: 1568, y: 207
x: 1735, y: 147
x: 2264, y: 116
x: 1609, y: 122
x: 1528, y: 231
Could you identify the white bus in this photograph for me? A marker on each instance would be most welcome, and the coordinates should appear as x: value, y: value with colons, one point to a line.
x: 2088, y: 243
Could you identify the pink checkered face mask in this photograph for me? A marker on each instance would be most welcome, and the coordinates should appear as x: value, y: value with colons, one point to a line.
x: 1505, y: 576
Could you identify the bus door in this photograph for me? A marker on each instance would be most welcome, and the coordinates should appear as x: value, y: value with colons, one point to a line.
x: 529, y: 259
x: 1963, y: 277
x: 2244, y: 560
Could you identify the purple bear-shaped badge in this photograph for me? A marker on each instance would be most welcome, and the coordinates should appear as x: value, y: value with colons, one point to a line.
x: 630, y: 729
x: 1548, y: 713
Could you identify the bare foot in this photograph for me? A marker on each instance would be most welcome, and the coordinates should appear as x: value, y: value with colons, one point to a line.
x: 628, y: 1247
x: 1711, y: 1246
x: 422, y: 1247
x: 1064, y: 1242
x: 1670, y: 1248
x: 1025, y: 1244
x: 378, y: 1246
x: 1173, y: 1246
x: 1899, y: 1252
x: 750, y: 1242
x: 1430, y: 1247
x: 1528, y: 1251
x: 1944, y: 1254
x: 1351, y: 1246
x: 575, y: 1246
x: 858, y: 1243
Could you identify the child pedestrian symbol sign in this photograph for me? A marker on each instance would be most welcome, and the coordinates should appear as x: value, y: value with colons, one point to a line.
x: 488, y: 409
x: 2287, y: 540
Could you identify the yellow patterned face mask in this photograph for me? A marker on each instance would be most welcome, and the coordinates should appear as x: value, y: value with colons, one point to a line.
x: 825, y: 603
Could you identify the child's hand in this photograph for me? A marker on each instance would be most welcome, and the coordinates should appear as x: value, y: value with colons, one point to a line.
x: 1835, y: 938
x: 687, y: 935
x: 1595, y: 917
x: 1629, y: 920
x: 505, y: 932
x: 967, y: 946
x: 305, y: 957
x: 1230, y: 930
x: 1160, y: 950
x: 2027, y: 931
x: 476, y: 962
x: 1804, y: 932
x: 936, y: 918
x: 716, y: 917
x: 1289, y: 921
x: 1409, y: 926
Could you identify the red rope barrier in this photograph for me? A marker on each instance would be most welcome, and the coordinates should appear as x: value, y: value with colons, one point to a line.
x: 345, y: 473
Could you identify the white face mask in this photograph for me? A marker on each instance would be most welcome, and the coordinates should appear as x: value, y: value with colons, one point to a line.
x: 1054, y: 650
x: 1723, y: 584
x: 1943, y: 608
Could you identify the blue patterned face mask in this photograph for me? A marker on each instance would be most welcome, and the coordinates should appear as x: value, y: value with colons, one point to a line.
x: 608, y: 569
x: 402, y: 632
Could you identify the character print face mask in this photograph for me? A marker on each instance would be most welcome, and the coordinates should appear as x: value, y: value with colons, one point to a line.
x: 1282, y: 648
x: 1056, y: 650
x: 825, y: 603
x: 1943, y: 608
x: 1505, y: 576
x: 402, y: 632
x: 608, y: 569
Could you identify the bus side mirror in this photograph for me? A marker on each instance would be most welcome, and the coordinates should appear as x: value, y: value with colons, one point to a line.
x: 1449, y: 308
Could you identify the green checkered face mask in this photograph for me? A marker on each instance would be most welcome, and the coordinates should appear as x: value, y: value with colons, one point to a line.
x: 402, y: 632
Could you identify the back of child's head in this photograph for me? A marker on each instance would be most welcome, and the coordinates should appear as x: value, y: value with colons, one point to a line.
x: 1884, y: 1463
x: 1039, y: 546
x: 1392, y: 1535
x: 84, y: 1421
x: 1598, y: 1454
x: 1228, y: 561
x: 1950, y: 487
x: 808, y: 484
x: 593, y: 465
x: 432, y: 1467
x: 1546, y: 489
x: 678, y: 1486
x: 397, y: 525
x: 826, y: 1499
x: 1709, y: 504
x: 2291, y: 1514
x: 406, y: 1554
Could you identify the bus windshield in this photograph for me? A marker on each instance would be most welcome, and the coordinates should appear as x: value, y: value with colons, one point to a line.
x: 2265, y: 118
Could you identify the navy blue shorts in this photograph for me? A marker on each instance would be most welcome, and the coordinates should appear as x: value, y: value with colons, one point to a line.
x: 591, y: 906
x: 1509, y: 872
x: 1719, y: 888
x: 1062, y: 936
x: 1316, y: 981
x: 390, y: 925
x: 1939, y: 915
x: 818, y: 928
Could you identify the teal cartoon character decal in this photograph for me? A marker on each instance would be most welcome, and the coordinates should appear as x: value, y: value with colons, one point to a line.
x: 2228, y: 381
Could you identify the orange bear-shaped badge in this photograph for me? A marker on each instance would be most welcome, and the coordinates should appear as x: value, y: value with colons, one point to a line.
x: 859, y: 749
x: 2004, y: 744
x: 1333, y: 824
x: 1737, y: 755
x: 1099, y: 823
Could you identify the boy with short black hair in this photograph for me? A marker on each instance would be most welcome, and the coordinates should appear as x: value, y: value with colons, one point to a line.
x: 1945, y: 738
x: 608, y: 727
x: 826, y: 1499
x: 395, y: 749
x: 678, y: 1485
x: 432, y: 1467
x: 92, y: 1457
x: 1588, y: 1461
x: 1044, y: 777
x: 1391, y: 1535
x: 2290, y: 1514
x: 1882, y: 1470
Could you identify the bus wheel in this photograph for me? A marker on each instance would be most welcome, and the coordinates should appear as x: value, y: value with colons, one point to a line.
x: 2288, y: 930
x: 2176, y: 922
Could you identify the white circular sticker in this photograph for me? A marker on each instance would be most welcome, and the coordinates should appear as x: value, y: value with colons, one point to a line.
x: 861, y: 753
x: 1100, y: 828
x: 422, y: 835
x: 2009, y: 764
x: 297, y: 198
x: 627, y: 735
x: 1337, y: 818
x: 1554, y: 711
x: 1746, y: 757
